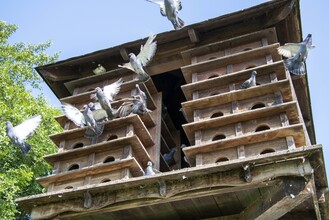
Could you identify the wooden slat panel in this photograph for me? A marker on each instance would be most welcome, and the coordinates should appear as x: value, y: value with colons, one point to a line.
x: 277, y: 67
x: 139, y: 129
x: 206, y: 102
x: 130, y: 163
x: 290, y: 108
x: 230, y: 59
x: 294, y: 130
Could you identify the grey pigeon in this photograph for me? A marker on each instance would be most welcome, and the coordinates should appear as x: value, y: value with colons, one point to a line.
x: 297, y: 54
x: 99, y: 114
x: 185, y: 158
x: 249, y: 82
x: 134, y: 105
x: 137, y: 63
x: 20, y: 132
x: 99, y: 70
x: 95, y: 129
x: 169, y: 9
x: 169, y: 157
x: 106, y: 95
x: 150, y: 170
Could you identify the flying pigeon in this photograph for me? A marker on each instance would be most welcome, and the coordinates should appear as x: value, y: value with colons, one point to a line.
x: 73, y: 114
x: 99, y: 69
x: 99, y: 114
x: 134, y: 105
x: 169, y: 9
x: 249, y: 82
x: 296, y: 54
x: 169, y: 157
x: 137, y: 63
x: 20, y: 132
x: 95, y: 129
x: 150, y: 170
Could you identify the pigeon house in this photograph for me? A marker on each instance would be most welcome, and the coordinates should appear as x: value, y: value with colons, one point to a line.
x: 242, y: 152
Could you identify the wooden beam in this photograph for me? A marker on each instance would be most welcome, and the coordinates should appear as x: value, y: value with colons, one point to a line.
x: 279, y: 200
x: 194, y: 35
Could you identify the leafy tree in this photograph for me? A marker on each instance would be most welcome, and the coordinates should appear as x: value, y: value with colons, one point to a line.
x: 18, y: 173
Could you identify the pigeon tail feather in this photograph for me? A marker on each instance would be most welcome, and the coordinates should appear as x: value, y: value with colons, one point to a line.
x: 90, y: 133
x: 25, y: 147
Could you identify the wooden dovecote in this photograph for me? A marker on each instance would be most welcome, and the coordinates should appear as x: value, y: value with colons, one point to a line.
x: 228, y: 122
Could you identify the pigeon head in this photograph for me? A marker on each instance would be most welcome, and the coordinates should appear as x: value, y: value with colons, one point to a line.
x: 8, y: 125
x: 91, y: 105
x: 308, y: 40
x: 149, y: 163
x: 132, y: 56
x: 254, y: 73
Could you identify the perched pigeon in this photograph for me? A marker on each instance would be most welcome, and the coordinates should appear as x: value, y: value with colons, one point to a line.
x: 22, y: 131
x: 99, y: 114
x: 134, y: 105
x: 137, y: 63
x: 169, y: 157
x: 169, y: 9
x: 99, y: 69
x: 150, y: 170
x: 296, y: 54
x: 185, y: 158
x: 249, y: 82
x: 104, y: 102
x: 95, y: 129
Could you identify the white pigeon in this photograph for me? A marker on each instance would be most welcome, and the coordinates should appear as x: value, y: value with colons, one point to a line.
x: 22, y: 131
x: 137, y: 63
x: 112, y: 90
x: 99, y: 69
x: 149, y: 171
x: 169, y: 9
x: 249, y: 82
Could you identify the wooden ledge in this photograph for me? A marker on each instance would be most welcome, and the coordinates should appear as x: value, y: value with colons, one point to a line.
x: 230, y: 59
x: 290, y: 108
x: 126, y: 86
x: 130, y: 163
x: 133, y: 141
x: 282, y: 85
x: 269, y: 34
x: 277, y: 67
x: 297, y: 131
x: 139, y: 129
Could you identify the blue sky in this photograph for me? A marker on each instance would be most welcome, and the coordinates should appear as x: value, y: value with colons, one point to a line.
x: 77, y: 27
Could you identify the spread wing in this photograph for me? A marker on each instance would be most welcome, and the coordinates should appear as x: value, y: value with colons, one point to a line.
x: 288, y: 50
x: 127, y: 66
x: 125, y: 109
x: 147, y: 51
x: 178, y: 4
x: 73, y: 114
x: 113, y: 89
x: 27, y: 127
x: 161, y: 5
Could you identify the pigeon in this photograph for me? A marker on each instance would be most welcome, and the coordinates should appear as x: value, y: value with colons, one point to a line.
x: 94, y: 129
x: 99, y: 114
x: 20, y: 132
x: 99, y: 70
x: 83, y: 119
x: 169, y: 157
x: 140, y: 93
x: 150, y: 170
x: 297, y: 54
x: 106, y: 95
x: 73, y: 114
x: 249, y: 82
x: 134, y: 105
x: 137, y: 63
x: 185, y: 158
x: 169, y: 9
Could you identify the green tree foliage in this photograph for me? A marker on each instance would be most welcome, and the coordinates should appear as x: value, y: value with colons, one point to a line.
x: 18, y: 173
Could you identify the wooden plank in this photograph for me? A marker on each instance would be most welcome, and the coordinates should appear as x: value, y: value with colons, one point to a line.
x: 297, y: 131
x: 277, y: 67
x: 269, y: 34
x: 139, y: 128
x: 207, y: 207
x: 290, y: 108
x: 130, y: 163
x: 278, y: 201
x: 194, y: 35
x: 206, y: 102
x: 132, y: 141
x: 230, y: 59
